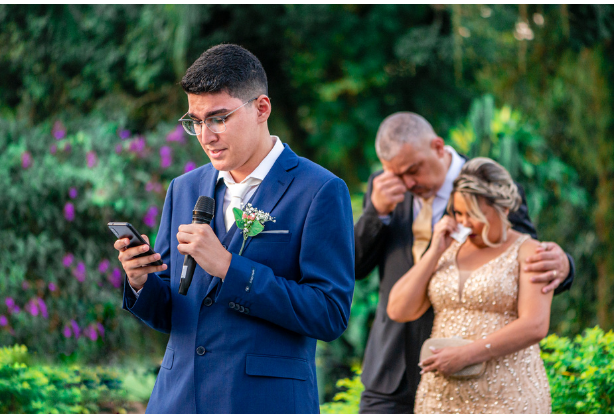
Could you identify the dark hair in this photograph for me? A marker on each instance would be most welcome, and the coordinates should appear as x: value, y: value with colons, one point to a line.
x: 226, y: 68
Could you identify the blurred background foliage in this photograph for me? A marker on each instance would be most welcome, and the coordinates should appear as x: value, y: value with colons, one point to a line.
x: 89, y: 96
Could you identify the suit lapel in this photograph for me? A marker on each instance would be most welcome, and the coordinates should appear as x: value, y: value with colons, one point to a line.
x: 270, y: 191
x: 267, y: 196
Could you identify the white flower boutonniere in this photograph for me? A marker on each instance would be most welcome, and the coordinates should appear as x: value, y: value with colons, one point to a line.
x: 251, y: 221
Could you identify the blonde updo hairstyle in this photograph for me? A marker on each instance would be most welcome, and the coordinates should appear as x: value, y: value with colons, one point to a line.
x: 484, y: 178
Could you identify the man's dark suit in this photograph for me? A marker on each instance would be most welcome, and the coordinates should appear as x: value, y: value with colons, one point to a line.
x: 393, y: 348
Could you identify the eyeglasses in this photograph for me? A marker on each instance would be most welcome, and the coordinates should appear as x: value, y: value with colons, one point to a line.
x: 216, y: 124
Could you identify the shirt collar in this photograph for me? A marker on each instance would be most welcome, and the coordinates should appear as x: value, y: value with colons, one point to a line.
x: 455, y: 167
x: 263, y: 168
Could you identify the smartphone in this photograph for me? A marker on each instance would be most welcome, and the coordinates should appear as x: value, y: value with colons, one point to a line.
x: 126, y: 230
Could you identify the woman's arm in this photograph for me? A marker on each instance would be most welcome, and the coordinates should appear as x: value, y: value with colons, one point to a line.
x: 408, y: 298
x: 530, y: 327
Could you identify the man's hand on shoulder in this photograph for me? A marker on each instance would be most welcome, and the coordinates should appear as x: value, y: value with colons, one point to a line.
x: 199, y: 241
x: 552, y: 264
x: 388, y: 191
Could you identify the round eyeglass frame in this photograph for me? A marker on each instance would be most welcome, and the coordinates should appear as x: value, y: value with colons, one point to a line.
x: 185, y: 121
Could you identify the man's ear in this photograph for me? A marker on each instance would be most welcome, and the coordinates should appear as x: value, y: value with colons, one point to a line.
x: 437, y: 144
x: 263, y: 106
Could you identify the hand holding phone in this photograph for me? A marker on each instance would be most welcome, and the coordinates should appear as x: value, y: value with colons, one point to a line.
x: 137, y: 257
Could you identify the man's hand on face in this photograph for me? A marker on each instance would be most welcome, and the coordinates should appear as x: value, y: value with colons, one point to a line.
x: 200, y: 242
x: 552, y: 262
x: 388, y: 191
x: 136, y: 268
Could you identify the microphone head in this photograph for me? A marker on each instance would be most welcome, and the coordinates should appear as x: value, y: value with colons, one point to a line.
x: 204, y: 210
x: 205, y: 204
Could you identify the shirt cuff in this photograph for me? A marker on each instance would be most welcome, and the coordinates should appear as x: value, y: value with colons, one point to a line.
x: 136, y: 293
x: 386, y: 219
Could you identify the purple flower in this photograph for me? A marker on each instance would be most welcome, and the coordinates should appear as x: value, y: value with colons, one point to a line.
x: 58, y: 130
x: 189, y: 166
x: 67, y: 260
x: 10, y: 303
x: 103, y: 266
x: 79, y: 272
x: 72, y: 193
x: 165, y: 156
x: 66, y: 332
x: 137, y: 145
x: 118, y: 148
x: 67, y: 148
x: 100, y: 328
x: 43, y: 308
x: 153, y: 186
x: 32, y: 307
x: 25, y: 285
x: 150, y: 217
x: 75, y: 328
x: 123, y: 134
x: 176, y: 135
x: 91, y: 158
x: 52, y: 287
x: 69, y: 211
x: 115, y: 277
x: 26, y: 159
x: 15, y: 310
x: 91, y: 333
x: 3, y: 320
x: 53, y: 148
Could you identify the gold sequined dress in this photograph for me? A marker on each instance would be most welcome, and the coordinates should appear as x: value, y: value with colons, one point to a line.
x: 515, y: 383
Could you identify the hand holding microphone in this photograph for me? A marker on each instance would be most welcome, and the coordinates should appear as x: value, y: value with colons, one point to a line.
x: 200, y: 245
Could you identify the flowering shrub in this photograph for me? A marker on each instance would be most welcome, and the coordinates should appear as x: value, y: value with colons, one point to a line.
x: 61, y: 282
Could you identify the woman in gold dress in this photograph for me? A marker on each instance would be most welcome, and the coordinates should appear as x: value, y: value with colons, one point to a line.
x: 479, y: 291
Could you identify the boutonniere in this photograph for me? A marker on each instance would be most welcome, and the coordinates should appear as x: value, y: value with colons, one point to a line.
x: 251, y: 221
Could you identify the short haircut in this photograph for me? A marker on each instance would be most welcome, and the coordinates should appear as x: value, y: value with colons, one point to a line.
x: 484, y: 178
x: 226, y: 68
x: 399, y: 129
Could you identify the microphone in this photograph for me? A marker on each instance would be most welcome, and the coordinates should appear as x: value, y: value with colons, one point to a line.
x: 202, y: 213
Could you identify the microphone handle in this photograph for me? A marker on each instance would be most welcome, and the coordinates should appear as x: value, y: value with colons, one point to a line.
x: 189, y: 265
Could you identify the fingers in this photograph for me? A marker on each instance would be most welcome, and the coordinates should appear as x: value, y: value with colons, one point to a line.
x: 127, y: 254
x: 146, y: 238
x: 553, y: 278
x: 138, y: 272
x: 543, y: 256
x: 542, y: 266
x: 121, y: 244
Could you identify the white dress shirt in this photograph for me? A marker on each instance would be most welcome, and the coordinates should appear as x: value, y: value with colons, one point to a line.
x: 259, y: 173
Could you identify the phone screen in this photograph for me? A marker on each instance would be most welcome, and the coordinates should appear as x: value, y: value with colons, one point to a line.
x: 126, y: 230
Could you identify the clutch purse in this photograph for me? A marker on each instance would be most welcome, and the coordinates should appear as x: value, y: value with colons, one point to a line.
x: 468, y: 372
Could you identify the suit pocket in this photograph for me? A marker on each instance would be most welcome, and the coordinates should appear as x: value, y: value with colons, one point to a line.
x: 169, y: 356
x: 277, y: 367
x: 273, y: 236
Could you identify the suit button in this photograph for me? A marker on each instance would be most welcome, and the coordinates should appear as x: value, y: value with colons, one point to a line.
x: 246, y: 310
x: 208, y: 302
x: 225, y: 247
x: 237, y: 307
x: 242, y: 309
x: 200, y: 350
x: 231, y: 304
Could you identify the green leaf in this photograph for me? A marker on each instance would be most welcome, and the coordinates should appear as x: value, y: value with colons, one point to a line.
x: 238, y: 214
x: 255, y: 229
x: 240, y: 223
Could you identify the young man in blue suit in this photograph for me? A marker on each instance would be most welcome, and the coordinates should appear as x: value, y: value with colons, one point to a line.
x: 243, y: 339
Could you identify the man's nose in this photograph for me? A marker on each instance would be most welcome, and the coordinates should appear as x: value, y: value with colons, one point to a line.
x: 206, y: 136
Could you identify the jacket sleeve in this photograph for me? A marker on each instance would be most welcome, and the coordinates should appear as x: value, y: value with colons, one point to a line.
x: 522, y: 223
x: 369, y: 236
x: 153, y: 304
x: 317, y: 305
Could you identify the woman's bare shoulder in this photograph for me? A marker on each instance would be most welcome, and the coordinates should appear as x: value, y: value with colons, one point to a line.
x: 527, y: 248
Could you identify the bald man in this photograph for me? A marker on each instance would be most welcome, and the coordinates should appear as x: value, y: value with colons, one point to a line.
x: 400, y: 207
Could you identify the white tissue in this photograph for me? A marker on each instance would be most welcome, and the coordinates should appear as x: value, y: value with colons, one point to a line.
x: 462, y: 232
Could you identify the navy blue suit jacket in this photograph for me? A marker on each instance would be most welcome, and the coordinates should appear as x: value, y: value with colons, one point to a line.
x: 247, y: 345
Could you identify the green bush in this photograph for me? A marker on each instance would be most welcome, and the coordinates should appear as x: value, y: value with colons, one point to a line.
x: 580, y: 373
x: 45, y: 389
x: 62, y: 283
